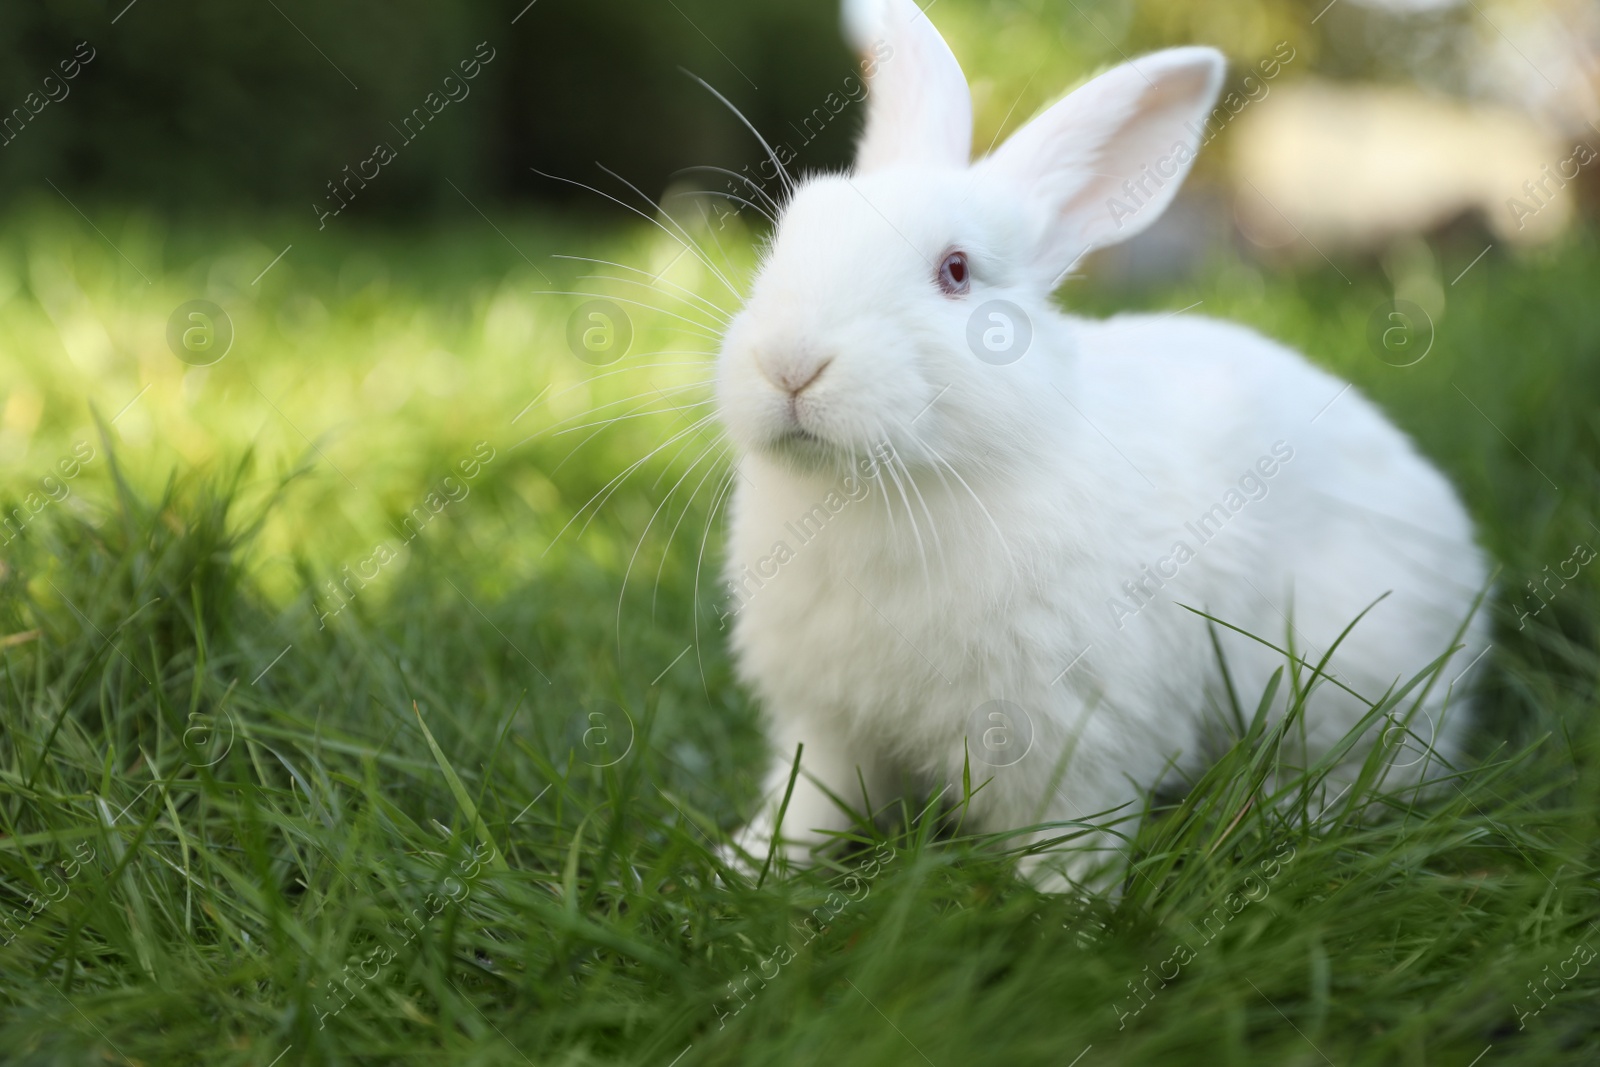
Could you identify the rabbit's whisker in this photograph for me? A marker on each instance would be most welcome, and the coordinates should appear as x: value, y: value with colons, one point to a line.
x: 718, y: 319
x: 669, y: 466
x: 688, y: 504
x: 751, y: 182
x: 605, y: 491
x: 712, y: 337
x: 717, y: 501
x: 776, y: 162
x: 647, y: 397
x: 579, y: 446
x: 694, y: 427
x: 689, y: 294
x: 933, y: 526
x: 711, y: 231
x: 933, y: 533
x: 1004, y: 544
x: 937, y: 470
x: 645, y: 533
x: 728, y: 196
x: 582, y: 382
x: 669, y: 216
x: 642, y: 414
x: 689, y: 246
x: 916, y: 530
x: 888, y: 504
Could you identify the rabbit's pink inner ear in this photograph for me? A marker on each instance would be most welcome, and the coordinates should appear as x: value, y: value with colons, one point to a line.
x: 919, y: 110
x: 1104, y: 162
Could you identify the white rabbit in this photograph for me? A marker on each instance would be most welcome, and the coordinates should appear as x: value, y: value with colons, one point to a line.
x: 956, y: 524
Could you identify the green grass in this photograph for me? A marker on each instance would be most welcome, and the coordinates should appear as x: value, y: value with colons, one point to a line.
x: 242, y: 805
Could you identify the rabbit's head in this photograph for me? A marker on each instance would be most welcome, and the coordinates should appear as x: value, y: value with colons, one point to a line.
x: 908, y: 302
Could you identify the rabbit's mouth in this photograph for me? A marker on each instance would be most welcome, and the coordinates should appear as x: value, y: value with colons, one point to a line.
x: 798, y: 435
x: 801, y: 448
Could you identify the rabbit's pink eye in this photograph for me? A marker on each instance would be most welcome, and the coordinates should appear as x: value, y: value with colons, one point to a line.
x: 954, y: 276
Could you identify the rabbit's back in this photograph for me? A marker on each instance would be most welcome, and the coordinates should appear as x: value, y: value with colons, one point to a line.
x: 1298, y: 503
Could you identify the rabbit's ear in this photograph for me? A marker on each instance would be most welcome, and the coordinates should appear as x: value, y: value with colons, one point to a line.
x: 1105, y: 161
x: 919, y: 111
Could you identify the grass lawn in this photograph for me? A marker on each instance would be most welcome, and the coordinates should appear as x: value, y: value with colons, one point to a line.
x: 338, y: 726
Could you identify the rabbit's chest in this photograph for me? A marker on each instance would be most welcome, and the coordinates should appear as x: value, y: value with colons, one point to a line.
x: 896, y: 657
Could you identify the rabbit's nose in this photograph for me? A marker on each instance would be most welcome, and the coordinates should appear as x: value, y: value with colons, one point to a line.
x: 795, y: 378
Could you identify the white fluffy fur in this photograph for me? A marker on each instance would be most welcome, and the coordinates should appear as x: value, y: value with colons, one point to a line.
x: 1020, y: 498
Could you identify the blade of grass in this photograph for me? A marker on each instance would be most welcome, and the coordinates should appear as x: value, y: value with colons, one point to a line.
x: 463, y: 798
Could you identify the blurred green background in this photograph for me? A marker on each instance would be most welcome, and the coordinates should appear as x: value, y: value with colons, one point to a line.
x: 188, y: 106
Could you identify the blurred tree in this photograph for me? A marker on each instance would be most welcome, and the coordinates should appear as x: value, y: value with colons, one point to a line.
x: 264, y: 103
